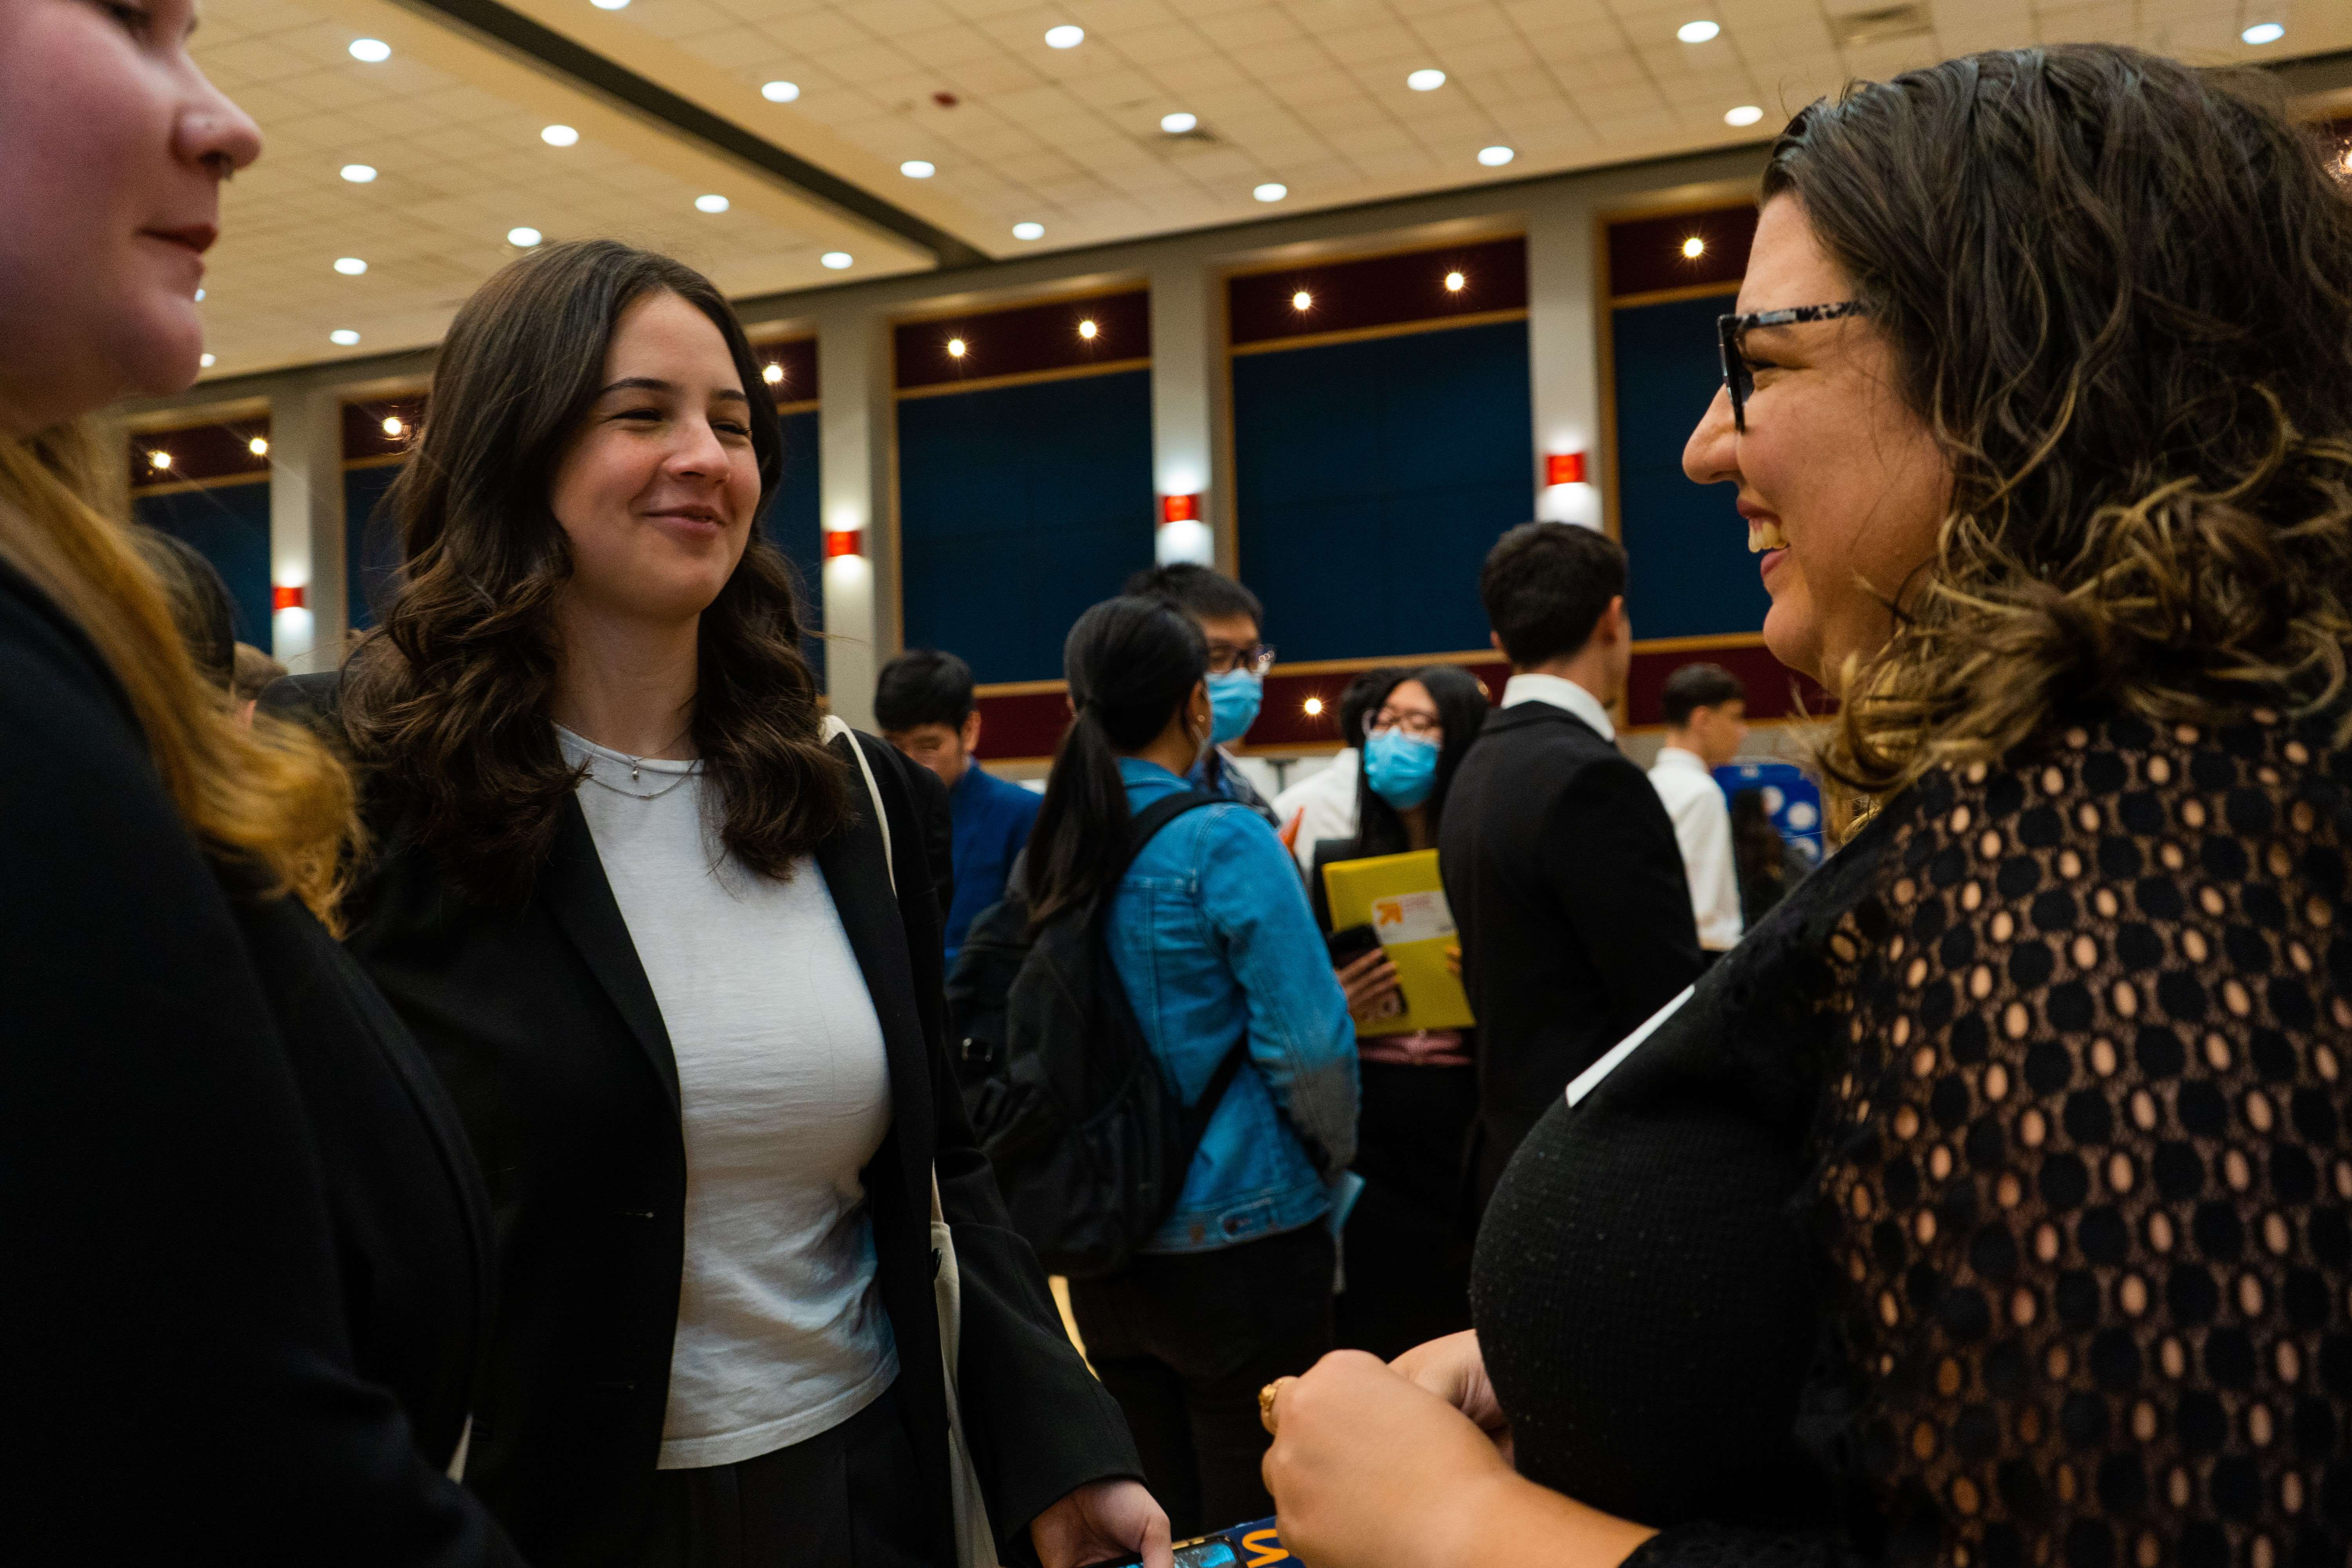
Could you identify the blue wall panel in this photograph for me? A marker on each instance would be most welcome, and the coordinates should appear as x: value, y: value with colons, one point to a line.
x: 371, y: 542
x: 1372, y: 479
x: 795, y: 525
x: 1018, y: 506
x: 1692, y: 574
x: 229, y: 525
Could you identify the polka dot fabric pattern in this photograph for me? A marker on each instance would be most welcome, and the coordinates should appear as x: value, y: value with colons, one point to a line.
x: 2084, y: 1186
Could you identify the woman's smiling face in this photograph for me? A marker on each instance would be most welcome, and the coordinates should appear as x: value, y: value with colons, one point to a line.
x: 1842, y: 483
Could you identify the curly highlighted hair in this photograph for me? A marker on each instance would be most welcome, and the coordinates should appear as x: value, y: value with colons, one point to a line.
x: 2119, y: 291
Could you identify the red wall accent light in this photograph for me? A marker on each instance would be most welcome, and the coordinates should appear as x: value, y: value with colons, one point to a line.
x: 1179, y: 509
x: 287, y: 596
x: 1564, y: 468
x: 843, y: 542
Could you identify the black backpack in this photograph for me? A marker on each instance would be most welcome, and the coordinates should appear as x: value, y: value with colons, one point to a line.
x: 1089, y: 1141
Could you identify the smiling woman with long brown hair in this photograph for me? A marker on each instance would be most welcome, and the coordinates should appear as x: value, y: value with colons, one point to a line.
x: 674, y: 942
x: 246, y: 1270
x: 1991, y: 1203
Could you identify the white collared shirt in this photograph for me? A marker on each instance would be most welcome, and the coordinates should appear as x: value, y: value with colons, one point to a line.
x: 1560, y: 692
x: 1702, y: 820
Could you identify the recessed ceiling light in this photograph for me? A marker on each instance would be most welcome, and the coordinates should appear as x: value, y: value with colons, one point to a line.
x: 207, y: 362
x: 780, y: 92
x: 1746, y: 114
x: 371, y: 51
x: 2263, y: 33
x: 1065, y: 36
x: 1698, y: 32
x: 200, y: 296
x: 1028, y: 231
x: 835, y: 259
x: 160, y: 458
x: 710, y: 204
x: 1496, y: 157
x: 523, y: 238
x: 955, y: 348
x: 393, y: 428
x: 1301, y: 300
x: 609, y: 4
x: 1694, y: 247
x: 258, y: 445
x: 773, y: 375
x: 1427, y: 80
x: 1087, y: 329
x: 350, y: 266
x: 343, y: 337
x: 1453, y: 282
x: 918, y: 168
x: 559, y: 136
x: 359, y: 174
x: 1178, y: 123
x: 1272, y: 190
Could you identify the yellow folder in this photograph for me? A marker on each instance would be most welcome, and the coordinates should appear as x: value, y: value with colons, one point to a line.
x: 1401, y: 898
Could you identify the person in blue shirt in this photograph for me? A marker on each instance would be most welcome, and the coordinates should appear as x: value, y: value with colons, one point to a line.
x: 1230, y: 617
x: 923, y: 705
x: 1212, y: 938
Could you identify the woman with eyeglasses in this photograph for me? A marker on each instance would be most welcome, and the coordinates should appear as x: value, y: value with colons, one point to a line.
x: 1216, y: 949
x: 1991, y: 1205
x: 1408, y: 1235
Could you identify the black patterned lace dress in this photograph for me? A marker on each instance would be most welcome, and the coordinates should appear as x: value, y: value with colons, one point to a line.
x: 1989, y: 1204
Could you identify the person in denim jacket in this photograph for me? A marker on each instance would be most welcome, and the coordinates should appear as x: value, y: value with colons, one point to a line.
x: 1211, y: 937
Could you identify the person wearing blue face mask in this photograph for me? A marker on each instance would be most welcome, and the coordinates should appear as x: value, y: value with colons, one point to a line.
x: 1408, y: 1237
x: 1230, y: 617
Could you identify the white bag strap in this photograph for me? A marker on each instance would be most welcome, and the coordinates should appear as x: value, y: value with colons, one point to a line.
x: 835, y: 726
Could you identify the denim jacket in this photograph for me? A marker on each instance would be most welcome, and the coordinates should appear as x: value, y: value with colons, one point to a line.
x: 1212, y: 939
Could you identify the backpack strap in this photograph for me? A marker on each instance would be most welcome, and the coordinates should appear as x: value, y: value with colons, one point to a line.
x: 1147, y: 824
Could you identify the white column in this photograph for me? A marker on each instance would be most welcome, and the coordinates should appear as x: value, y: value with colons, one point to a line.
x: 856, y: 494
x: 306, y: 526
x: 1565, y: 317
x: 1185, y: 327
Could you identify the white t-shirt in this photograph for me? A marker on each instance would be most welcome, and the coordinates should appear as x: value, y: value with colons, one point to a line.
x: 784, y: 1090
x: 1703, y: 828
x: 1324, y: 802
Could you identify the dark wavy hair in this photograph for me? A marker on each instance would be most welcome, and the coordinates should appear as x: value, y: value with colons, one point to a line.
x: 2119, y: 292
x: 445, y: 703
x: 1131, y: 662
x: 1462, y: 709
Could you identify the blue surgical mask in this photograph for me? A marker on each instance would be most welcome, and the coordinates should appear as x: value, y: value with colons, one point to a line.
x: 1233, y: 699
x: 1401, y: 768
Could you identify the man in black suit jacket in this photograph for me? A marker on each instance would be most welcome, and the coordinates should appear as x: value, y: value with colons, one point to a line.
x: 1559, y: 860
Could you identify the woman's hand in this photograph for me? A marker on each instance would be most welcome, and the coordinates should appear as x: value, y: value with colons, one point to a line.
x: 1369, y: 1469
x: 1103, y: 1521
x: 1370, y: 982
x: 1454, y: 1369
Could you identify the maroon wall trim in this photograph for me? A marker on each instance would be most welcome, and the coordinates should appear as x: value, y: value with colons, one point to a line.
x: 1023, y: 341
x: 1378, y: 291
x: 1645, y: 254
x: 199, y: 453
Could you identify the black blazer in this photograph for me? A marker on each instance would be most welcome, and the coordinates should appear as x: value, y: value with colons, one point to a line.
x: 244, y: 1252
x: 1561, y: 867
x: 547, y: 1033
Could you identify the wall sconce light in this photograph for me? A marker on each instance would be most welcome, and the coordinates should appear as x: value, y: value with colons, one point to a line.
x: 1302, y: 300
x: 1314, y: 707
x: 287, y: 596
x: 1087, y: 329
x: 955, y: 348
x: 1453, y: 282
x: 159, y: 458
x: 840, y: 542
x: 1564, y: 468
x: 1179, y: 509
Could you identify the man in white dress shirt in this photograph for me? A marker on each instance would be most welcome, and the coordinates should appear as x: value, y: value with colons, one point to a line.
x: 1706, y: 720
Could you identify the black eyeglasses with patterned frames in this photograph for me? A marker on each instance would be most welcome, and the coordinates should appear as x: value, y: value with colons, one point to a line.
x: 1739, y: 375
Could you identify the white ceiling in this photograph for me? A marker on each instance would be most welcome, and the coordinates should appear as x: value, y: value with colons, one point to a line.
x: 1310, y: 93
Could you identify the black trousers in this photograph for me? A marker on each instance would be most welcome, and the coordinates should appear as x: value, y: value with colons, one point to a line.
x: 1409, y: 1238
x: 841, y: 1499
x: 1184, y: 1340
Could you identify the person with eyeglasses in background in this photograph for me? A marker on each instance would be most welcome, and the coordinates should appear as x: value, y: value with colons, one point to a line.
x: 1231, y: 617
x: 1408, y: 1237
x: 1323, y: 804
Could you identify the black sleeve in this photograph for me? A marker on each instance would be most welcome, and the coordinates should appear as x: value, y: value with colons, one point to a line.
x: 1039, y: 1424
x: 938, y: 833
x: 1608, y: 848
x: 180, y: 1386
